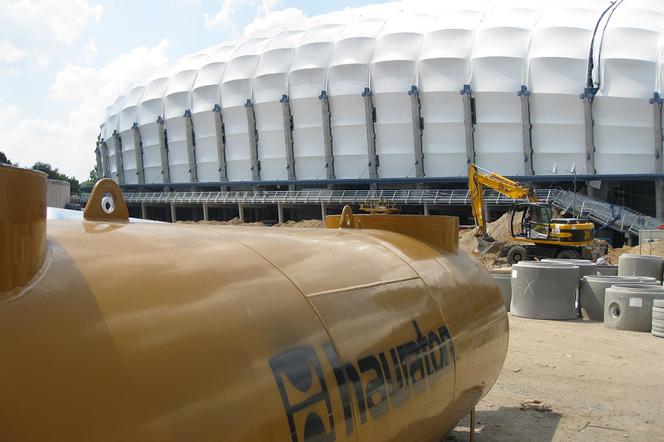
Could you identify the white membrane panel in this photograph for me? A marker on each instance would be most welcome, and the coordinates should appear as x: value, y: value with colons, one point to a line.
x: 496, y: 46
x: 270, y: 85
x: 557, y: 68
x: 129, y: 116
x: 206, y: 95
x: 348, y: 76
x: 498, y: 64
x: 235, y: 91
x: 306, y: 81
x: 393, y: 73
x: 443, y: 68
x: 177, y: 100
x: 150, y: 109
x: 111, y: 126
x: 624, y: 140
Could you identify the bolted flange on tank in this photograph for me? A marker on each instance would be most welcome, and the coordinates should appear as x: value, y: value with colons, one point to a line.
x: 22, y: 226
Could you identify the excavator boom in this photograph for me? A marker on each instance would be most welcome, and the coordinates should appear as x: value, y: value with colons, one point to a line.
x: 478, y: 179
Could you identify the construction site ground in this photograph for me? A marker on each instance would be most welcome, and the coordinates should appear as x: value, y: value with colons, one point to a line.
x: 601, y: 385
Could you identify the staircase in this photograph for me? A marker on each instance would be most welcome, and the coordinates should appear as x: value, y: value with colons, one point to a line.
x: 616, y: 217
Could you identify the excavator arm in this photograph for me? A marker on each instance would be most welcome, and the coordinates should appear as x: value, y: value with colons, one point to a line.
x: 478, y: 179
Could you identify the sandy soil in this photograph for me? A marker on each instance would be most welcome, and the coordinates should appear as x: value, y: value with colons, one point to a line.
x: 602, y: 385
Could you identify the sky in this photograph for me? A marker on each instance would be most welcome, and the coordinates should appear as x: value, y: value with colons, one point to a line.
x: 62, y: 62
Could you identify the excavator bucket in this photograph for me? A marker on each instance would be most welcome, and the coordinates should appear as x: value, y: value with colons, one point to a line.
x: 486, y: 244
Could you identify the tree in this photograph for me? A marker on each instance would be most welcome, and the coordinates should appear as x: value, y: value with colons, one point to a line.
x: 4, y: 159
x: 55, y: 174
x: 93, y: 178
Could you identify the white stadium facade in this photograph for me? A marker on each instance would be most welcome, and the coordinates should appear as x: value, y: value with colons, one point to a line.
x: 406, y: 95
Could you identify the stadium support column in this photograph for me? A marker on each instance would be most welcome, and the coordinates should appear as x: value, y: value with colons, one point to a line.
x: 370, y: 121
x: 100, y: 168
x: 587, y: 96
x: 174, y: 215
x: 323, y: 211
x: 221, y: 142
x: 253, y: 141
x: 190, y: 140
x: 526, y: 130
x: 280, y: 213
x: 240, y: 209
x: 656, y: 102
x: 206, y: 213
x: 144, y: 211
x: 138, y: 152
x: 327, y: 134
x: 163, y: 150
x: 469, y: 122
x: 105, y: 171
x: 118, y: 157
x: 288, y: 136
x: 418, y: 128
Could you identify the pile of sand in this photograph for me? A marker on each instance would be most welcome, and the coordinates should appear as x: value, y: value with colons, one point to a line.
x: 498, y: 229
x: 651, y: 248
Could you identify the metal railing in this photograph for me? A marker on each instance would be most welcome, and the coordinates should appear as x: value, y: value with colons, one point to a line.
x: 616, y: 217
x: 610, y: 215
x: 404, y: 197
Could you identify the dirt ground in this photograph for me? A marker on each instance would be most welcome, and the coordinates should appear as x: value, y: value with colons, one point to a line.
x: 602, y: 385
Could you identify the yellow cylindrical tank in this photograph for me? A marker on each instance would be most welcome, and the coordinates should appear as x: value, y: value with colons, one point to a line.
x: 162, y: 332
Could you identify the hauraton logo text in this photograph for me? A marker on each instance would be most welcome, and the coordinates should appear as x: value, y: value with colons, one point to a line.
x: 396, y: 374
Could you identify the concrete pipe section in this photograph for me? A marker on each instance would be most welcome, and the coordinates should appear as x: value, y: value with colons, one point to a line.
x: 629, y: 307
x: 592, y: 291
x: 641, y: 265
x: 504, y: 282
x: 586, y: 267
x: 544, y: 290
x: 607, y: 270
x: 658, y: 318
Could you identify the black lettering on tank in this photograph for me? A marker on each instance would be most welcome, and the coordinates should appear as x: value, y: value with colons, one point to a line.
x: 435, y: 346
x: 446, y: 339
x: 298, y: 372
x: 376, y: 395
x: 423, y: 345
x: 395, y: 385
x: 354, y: 380
x: 412, y: 365
x: 342, y: 383
x: 299, y: 377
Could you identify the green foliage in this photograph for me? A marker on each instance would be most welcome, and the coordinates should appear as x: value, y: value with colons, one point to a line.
x: 55, y: 174
x: 4, y: 159
x: 94, y: 177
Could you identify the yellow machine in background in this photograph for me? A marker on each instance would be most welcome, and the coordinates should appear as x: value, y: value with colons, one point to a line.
x: 536, y: 232
x: 112, y: 330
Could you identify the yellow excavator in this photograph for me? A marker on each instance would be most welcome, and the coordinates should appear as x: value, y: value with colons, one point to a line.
x: 533, y: 230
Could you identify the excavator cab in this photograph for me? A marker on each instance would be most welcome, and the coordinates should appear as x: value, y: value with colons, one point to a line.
x: 531, y: 221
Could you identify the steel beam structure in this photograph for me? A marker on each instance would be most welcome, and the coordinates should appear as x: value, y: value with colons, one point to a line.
x: 327, y: 134
x: 418, y: 129
x: 370, y: 120
x: 138, y: 152
x: 253, y: 140
x: 288, y: 136
x: 190, y: 140
x: 526, y: 130
x: 163, y: 150
x: 469, y: 122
